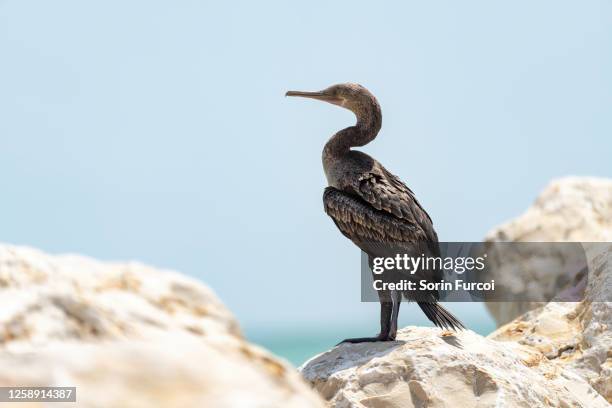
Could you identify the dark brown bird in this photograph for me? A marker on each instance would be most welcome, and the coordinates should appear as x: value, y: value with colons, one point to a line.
x: 375, y: 209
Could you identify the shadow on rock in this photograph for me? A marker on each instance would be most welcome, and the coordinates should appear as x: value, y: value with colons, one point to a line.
x: 452, y: 340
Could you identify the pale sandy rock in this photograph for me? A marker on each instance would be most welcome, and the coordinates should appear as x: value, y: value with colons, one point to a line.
x: 572, y: 209
x: 577, y: 336
x: 425, y: 368
x: 173, y: 370
x: 595, y: 360
x: 127, y: 335
x: 57, y: 298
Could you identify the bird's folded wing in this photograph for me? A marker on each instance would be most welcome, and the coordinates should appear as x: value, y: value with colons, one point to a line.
x: 387, y: 193
x: 360, y: 221
x: 380, y: 234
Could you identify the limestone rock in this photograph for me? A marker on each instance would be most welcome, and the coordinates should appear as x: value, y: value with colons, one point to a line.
x: 166, y: 370
x: 127, y: 335
x: 46, y: 299
x: 572, y: 209
x: 578, y: 336
x: 428, y: 368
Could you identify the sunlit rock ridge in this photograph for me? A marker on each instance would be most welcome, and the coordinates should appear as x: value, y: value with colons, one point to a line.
x: 128, y: 335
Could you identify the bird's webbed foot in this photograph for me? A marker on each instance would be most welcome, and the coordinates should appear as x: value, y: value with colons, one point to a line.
x: 368, y: 339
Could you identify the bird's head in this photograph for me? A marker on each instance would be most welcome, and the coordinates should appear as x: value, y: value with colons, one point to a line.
x: 350, y: 96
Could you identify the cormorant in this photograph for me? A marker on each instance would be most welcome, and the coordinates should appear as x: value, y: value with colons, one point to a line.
x: 374, y: 208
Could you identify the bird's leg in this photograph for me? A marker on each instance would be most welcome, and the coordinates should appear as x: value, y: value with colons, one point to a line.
x: 397, y: 301
x: 387, y: 308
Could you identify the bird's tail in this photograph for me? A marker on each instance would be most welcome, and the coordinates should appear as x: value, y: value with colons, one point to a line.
x: 440, y: 316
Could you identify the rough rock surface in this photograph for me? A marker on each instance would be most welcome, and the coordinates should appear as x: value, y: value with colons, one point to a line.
x: 425, y: 368
x: 45, y: 299
x: 127, y: 335
x: 572, y: 209
x: 578, y: 336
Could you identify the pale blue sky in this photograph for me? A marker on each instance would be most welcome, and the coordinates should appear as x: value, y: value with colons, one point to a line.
x: 158, y: 131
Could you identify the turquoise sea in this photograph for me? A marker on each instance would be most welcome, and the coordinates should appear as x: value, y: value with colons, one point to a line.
x: 299, y: 346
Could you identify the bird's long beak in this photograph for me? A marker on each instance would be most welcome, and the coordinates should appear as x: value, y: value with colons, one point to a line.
x: 321, y: 96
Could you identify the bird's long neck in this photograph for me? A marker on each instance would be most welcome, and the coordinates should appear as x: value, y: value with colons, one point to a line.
x: 369, y: 121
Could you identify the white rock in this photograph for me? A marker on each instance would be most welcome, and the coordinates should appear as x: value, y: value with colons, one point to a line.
x: 426, y: 368
x: 572, y: 209
x: 46, y: 299
x: 577, y: 336
x: 127, y: 335
x: 172, y: 370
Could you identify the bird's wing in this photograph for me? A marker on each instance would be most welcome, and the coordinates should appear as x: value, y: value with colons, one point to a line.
x: 379, y: 233
x: 376, y: 232
x: 387, y: 193
x: 359, y: 220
